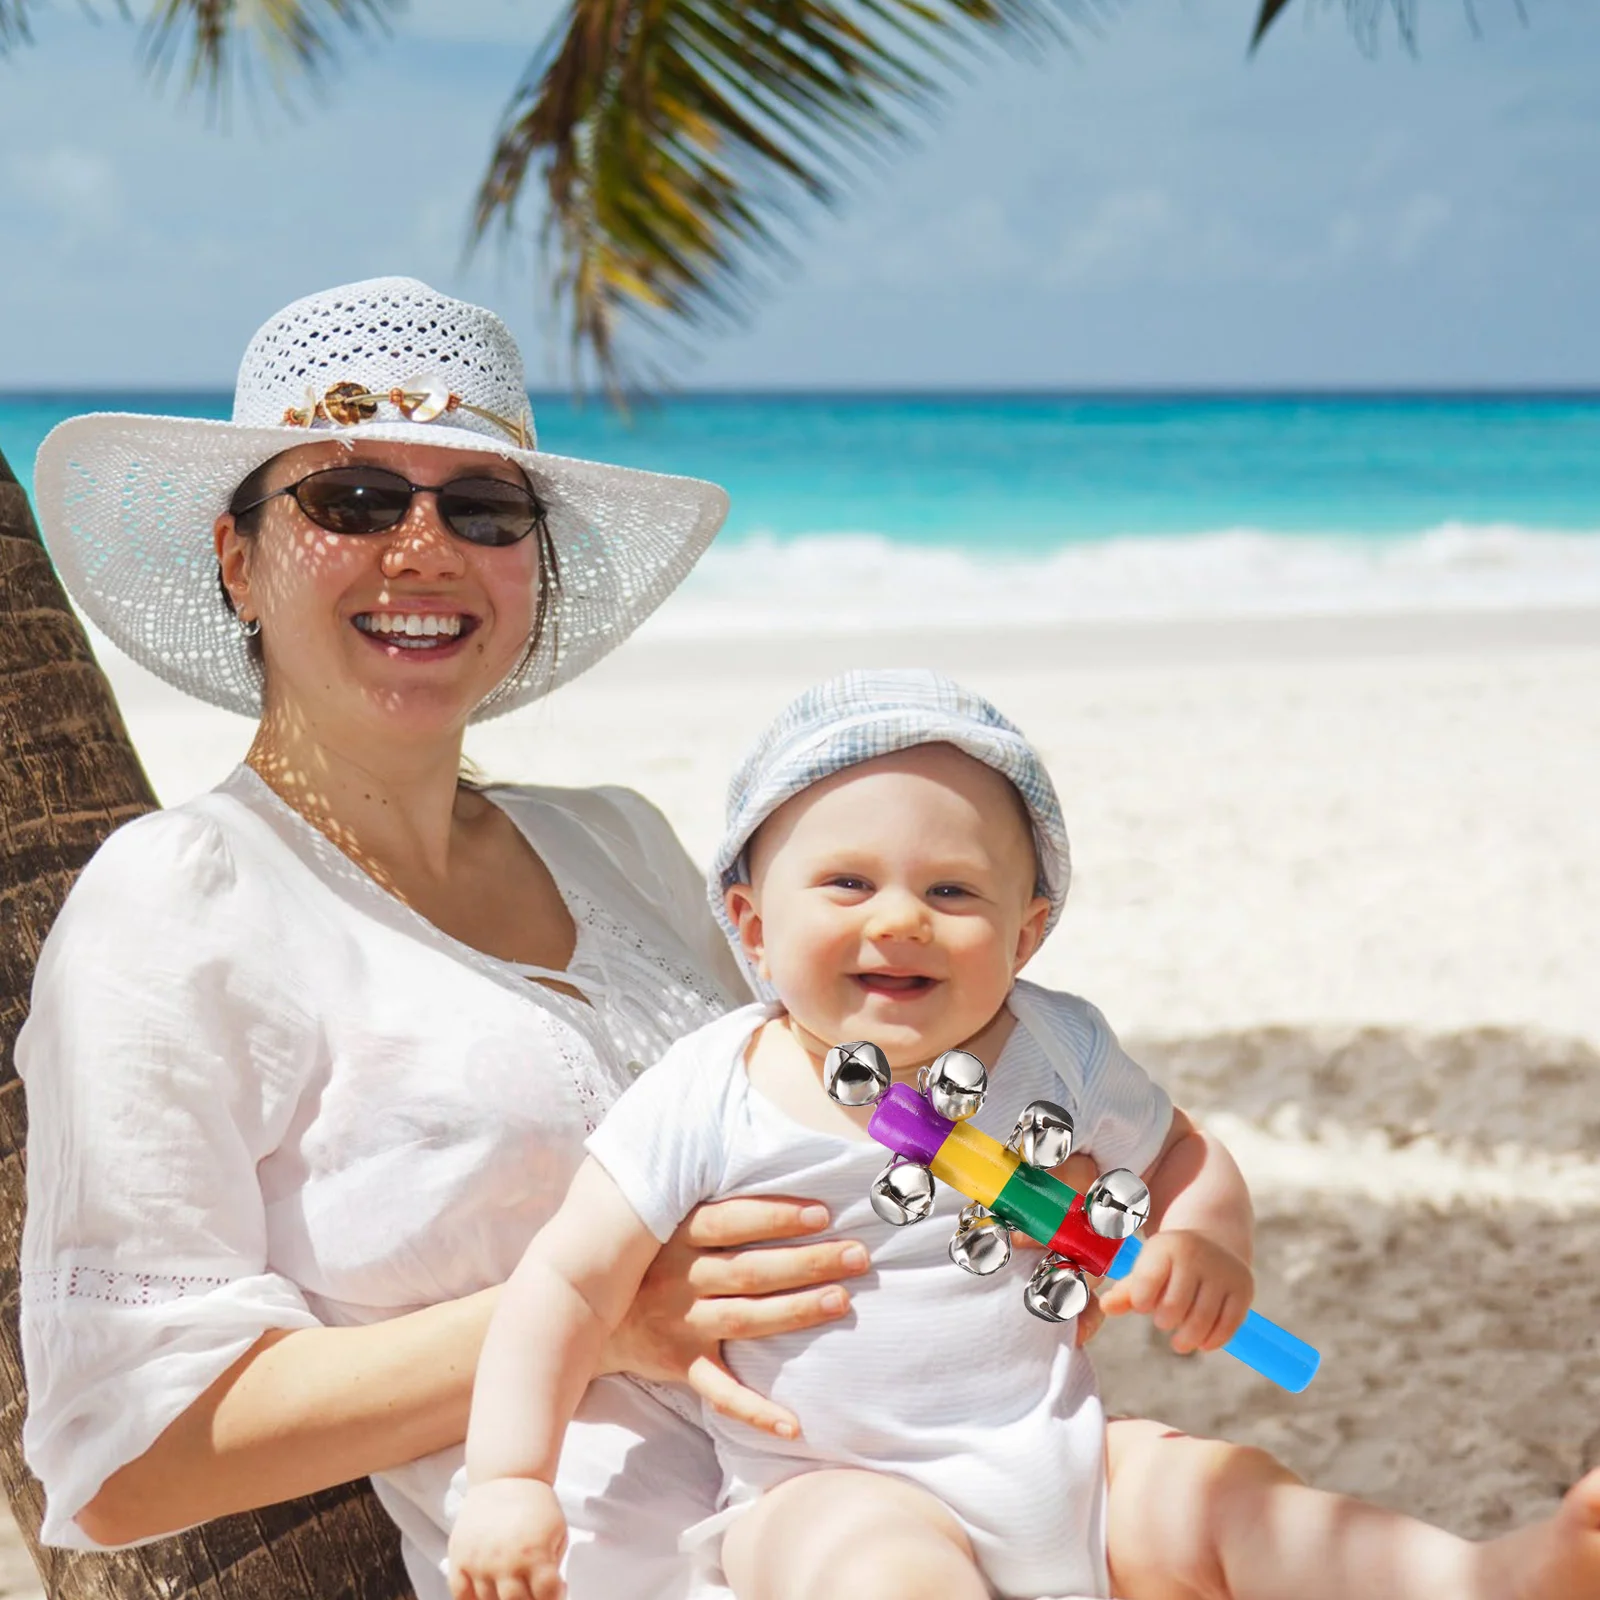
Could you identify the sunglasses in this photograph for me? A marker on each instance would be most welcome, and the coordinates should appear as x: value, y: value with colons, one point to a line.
x: 360, y: 500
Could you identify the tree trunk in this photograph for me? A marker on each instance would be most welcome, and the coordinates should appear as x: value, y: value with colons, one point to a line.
x: 68, y: 776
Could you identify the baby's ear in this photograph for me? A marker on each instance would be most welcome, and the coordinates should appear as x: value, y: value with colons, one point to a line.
x: 739, y: 900
x: 1031, y: 935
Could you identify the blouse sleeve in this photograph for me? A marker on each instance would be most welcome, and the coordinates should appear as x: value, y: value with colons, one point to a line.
x: 162, y: 1063
x: 681, y: 887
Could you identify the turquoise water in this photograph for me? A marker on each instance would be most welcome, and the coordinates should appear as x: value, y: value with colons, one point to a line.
x: 1101, y: 502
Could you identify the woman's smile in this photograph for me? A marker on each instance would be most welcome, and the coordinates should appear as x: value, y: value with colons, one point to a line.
x: 416, y: 633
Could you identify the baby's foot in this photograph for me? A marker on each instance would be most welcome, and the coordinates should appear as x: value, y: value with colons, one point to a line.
x: 1558, y: 1559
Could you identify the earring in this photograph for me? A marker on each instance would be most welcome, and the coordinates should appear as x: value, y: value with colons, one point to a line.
x: 249, y: 627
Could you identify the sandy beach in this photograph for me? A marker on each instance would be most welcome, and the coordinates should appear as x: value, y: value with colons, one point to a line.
x: 1338, y: 883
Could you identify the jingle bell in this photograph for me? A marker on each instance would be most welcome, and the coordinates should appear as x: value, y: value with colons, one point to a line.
x: 1043, y: 1134
x: 1117, y: 1204
x: 856, y: 1074
x: 902, y: 1193
x: 1056, y: 1291
x: 955, y: 1084
x: 982, y: 1242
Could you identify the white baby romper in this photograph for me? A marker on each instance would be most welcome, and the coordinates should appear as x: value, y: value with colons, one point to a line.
x: 935, y: 1376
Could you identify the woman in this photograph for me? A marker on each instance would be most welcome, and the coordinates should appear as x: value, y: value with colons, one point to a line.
x: 311, y: 1057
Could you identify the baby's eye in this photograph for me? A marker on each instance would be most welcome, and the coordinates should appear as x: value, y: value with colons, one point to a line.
x: 950, y: 891
x: 843, y: 880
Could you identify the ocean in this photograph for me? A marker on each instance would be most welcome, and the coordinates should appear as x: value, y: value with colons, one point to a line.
x: 883, y: 510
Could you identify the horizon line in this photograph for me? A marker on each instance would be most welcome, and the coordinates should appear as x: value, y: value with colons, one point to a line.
x: 1179, y: 391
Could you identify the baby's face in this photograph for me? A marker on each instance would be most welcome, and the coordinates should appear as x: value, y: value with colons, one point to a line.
x: 894, y: 902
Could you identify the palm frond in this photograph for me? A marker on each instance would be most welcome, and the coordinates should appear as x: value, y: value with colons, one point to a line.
x: 14, y: 25
x: 1364, y: 16
x: 217, y: 40
x: 677, y: 141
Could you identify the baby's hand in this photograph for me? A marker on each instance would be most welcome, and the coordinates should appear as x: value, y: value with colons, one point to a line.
x: 1190, y: 1286
x: 508, y: 1540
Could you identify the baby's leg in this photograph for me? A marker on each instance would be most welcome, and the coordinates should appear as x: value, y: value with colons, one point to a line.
x: 844, y: 1532
x: 1197, y: 1519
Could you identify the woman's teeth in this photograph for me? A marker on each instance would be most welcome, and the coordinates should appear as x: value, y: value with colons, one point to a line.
x: 403, y: 628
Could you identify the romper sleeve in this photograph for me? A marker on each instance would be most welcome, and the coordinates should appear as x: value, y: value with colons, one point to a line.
x: 1123, y: 1113
x: 680, y: 890
x: 664, y: 1142
x: 161, y: 1057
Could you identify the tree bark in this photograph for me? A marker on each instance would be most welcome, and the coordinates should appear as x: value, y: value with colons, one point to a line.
x: 68, y: 776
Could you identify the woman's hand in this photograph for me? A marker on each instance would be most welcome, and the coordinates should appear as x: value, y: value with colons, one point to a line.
x: 708, y: 1284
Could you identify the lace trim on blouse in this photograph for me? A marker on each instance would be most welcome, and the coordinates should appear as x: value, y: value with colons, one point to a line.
x: 597, y: 1076
x: 47, y: 1285
x: 648, y: 997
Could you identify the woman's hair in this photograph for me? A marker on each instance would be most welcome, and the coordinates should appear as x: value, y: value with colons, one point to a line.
x: 250, y: 494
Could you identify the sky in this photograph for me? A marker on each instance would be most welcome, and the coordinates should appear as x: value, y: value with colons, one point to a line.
x: 1150, y: 209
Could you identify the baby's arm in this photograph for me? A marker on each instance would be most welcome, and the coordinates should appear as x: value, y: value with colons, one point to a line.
x: 567, y: 1295
x: 1193, y: 1276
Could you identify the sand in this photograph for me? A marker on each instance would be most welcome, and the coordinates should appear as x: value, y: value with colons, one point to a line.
x: 1338, y: 883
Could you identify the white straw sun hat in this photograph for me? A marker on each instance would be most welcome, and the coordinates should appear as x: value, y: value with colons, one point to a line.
x: 126, y: 502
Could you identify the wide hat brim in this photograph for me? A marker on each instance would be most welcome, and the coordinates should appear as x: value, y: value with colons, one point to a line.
x: 127, y: 502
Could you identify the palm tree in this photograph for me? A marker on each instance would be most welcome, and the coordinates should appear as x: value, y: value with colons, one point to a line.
x: 674, y: 138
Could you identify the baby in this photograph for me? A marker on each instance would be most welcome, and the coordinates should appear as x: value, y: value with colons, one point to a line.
x: 894, y: 856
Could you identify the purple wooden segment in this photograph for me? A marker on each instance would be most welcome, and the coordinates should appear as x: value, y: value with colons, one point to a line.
x: 908, y: 1125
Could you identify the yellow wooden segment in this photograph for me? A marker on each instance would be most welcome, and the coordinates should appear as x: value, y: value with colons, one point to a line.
x: 973, y: 1163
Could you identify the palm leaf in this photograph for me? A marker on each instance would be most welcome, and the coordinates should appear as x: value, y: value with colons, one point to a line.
x: 1364, y: 17
x: 214, y: 38
x: 1270, y: 11
x: 677, y: 141
x: 14, y: 24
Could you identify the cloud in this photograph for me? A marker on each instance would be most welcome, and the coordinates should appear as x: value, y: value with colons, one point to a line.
x: 1422, y: 218
x: 959, y: 243
x: 78, y: 186
x: 1122, y: 237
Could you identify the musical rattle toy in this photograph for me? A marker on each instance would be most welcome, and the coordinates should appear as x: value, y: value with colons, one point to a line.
x: 1009, y: 1186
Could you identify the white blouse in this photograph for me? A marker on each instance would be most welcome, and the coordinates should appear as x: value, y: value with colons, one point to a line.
x: 264, y: 1093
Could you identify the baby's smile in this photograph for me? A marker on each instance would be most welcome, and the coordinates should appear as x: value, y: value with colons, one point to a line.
x: 890, y: 982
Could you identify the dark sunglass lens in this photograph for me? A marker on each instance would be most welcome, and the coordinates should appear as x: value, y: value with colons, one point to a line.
x: 354, y: 499
x: 488, y: 510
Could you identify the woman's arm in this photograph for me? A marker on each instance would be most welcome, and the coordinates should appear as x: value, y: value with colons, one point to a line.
x: 303, y: 1410
x: 309, y: 1408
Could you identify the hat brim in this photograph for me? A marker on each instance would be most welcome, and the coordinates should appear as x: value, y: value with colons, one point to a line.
x: 127, y: 502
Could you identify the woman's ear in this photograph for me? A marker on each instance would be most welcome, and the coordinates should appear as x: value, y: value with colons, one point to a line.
x: 1031, y: 935
x: 233, y: 561
x: 739, y: 900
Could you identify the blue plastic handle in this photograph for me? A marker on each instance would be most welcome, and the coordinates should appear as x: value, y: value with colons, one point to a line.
x: 1260, y: 1343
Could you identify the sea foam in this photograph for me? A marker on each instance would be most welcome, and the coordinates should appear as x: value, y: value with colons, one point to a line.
x: 839, y: 580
